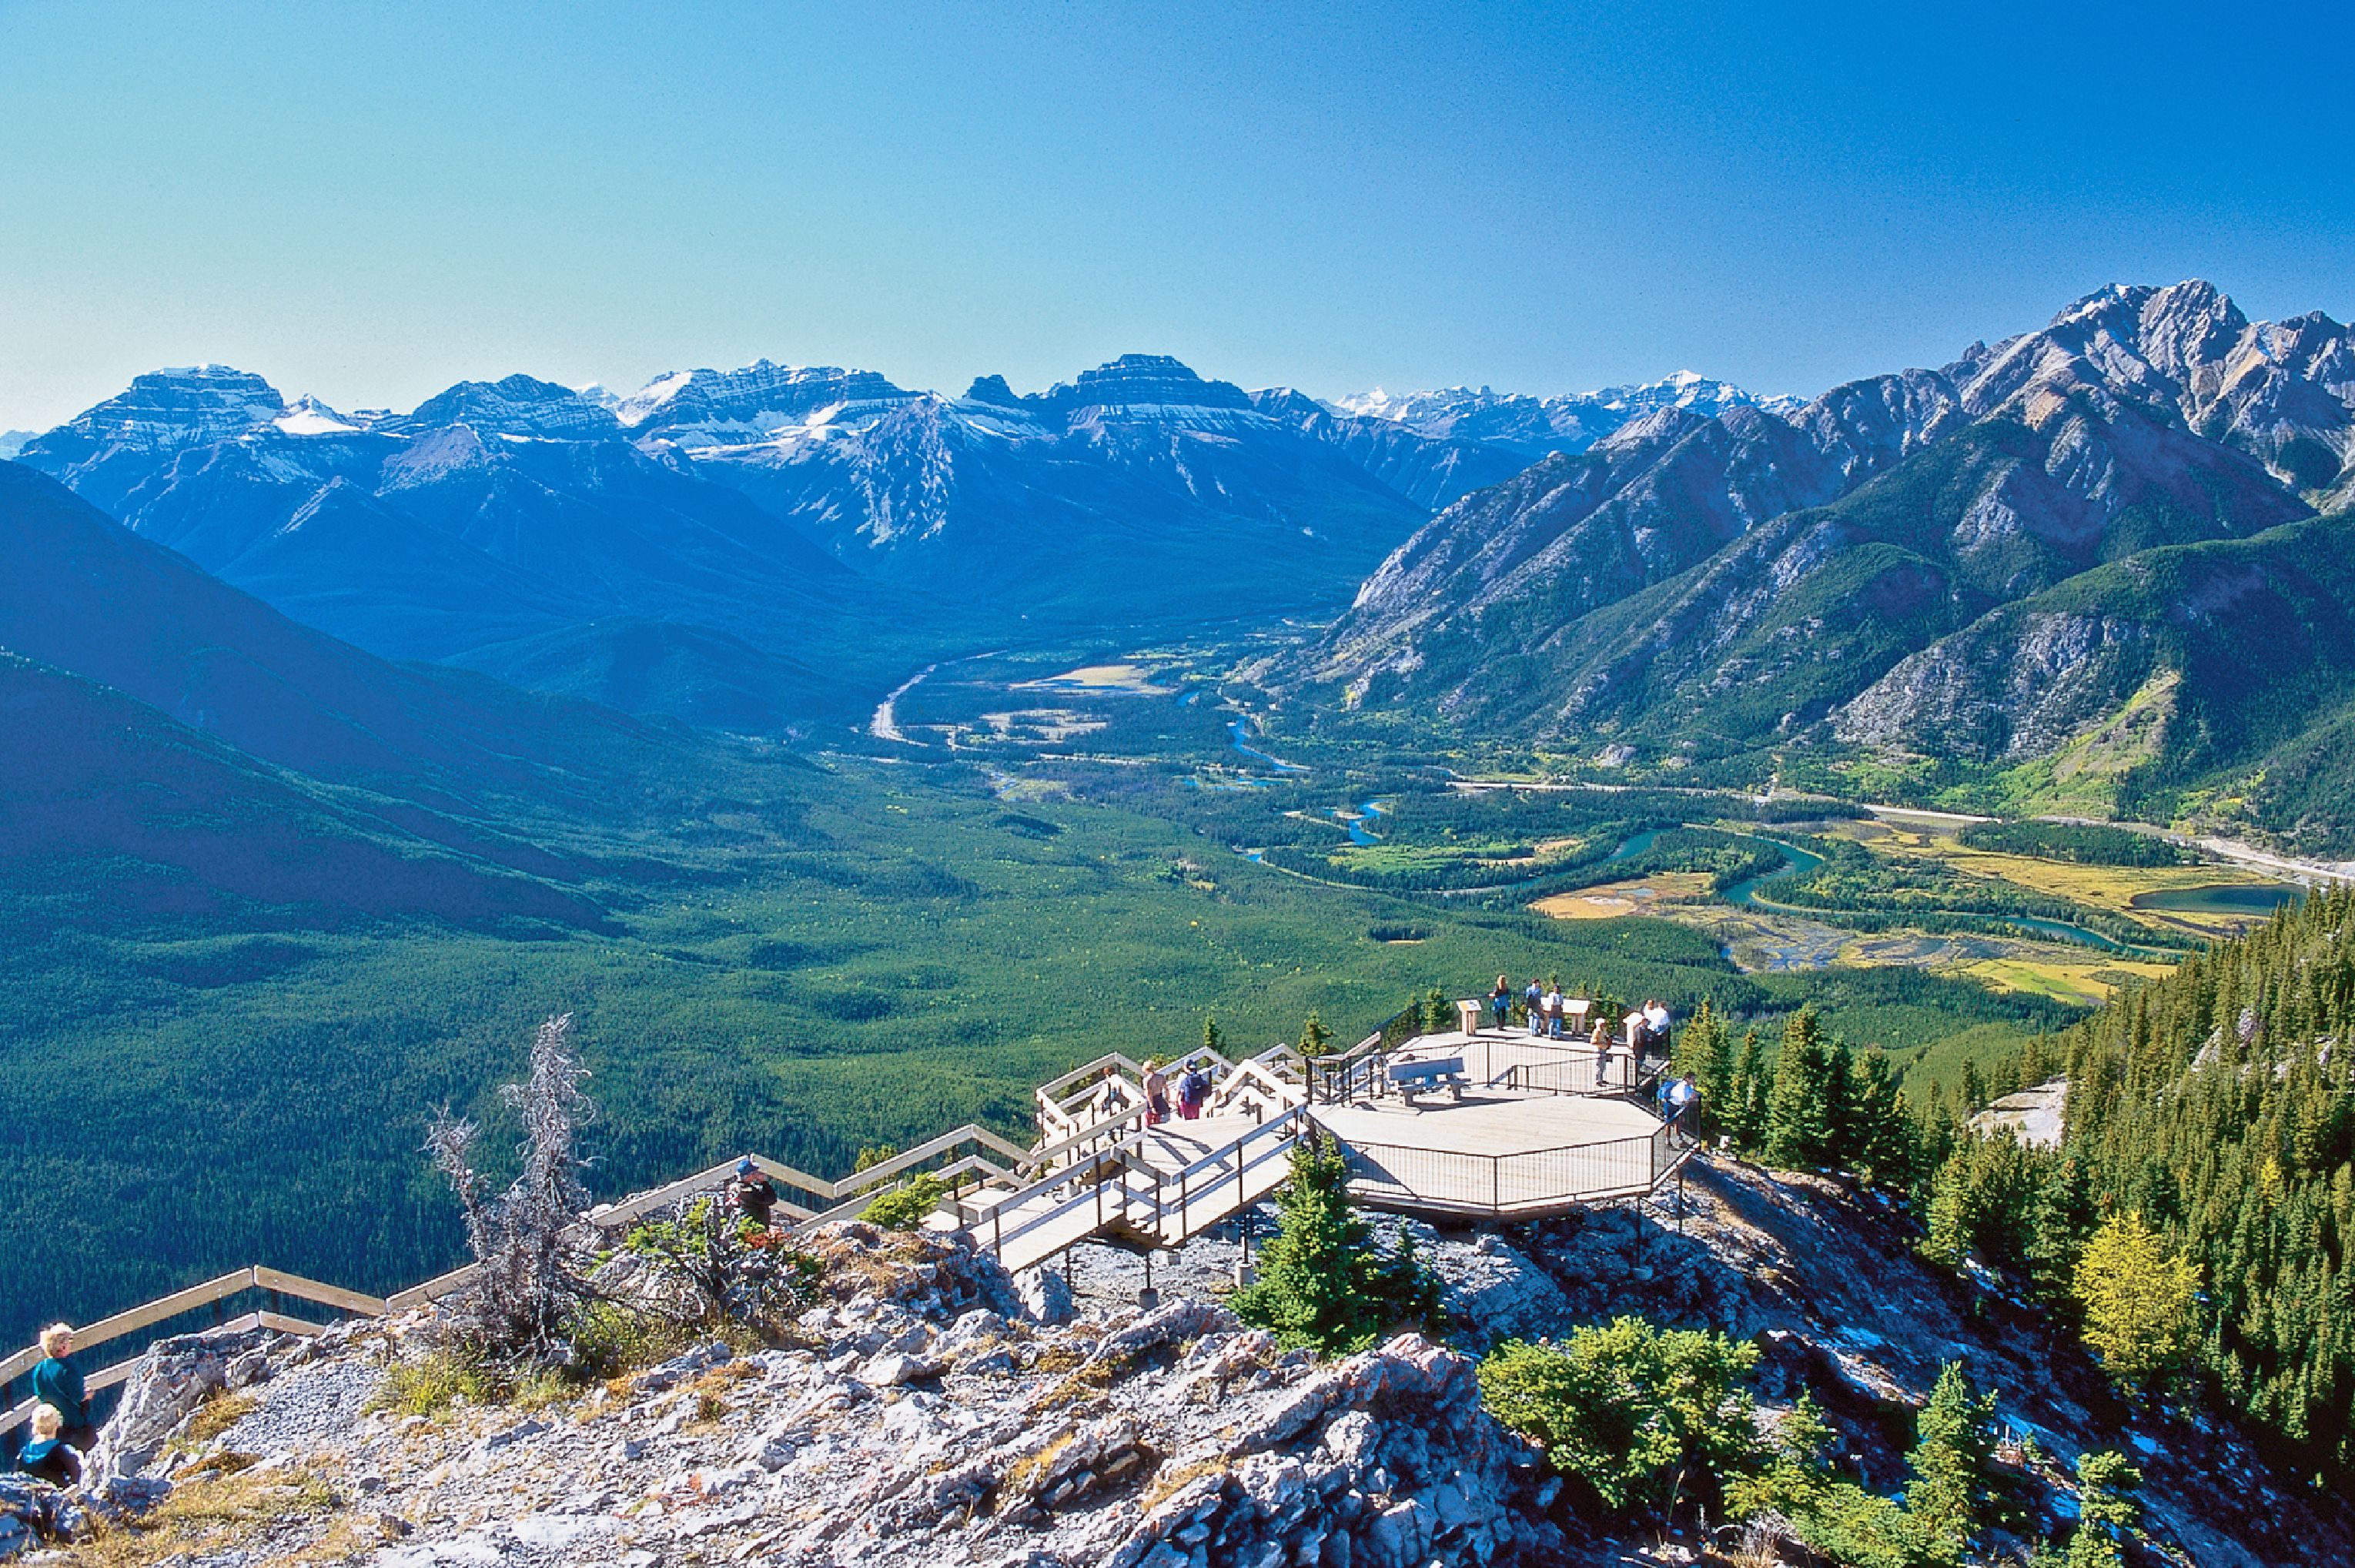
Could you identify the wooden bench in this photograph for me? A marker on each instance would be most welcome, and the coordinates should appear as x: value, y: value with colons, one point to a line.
x: 1412, y: 1078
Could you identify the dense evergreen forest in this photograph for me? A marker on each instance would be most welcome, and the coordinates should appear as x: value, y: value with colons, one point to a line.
x: 2195, y: 1220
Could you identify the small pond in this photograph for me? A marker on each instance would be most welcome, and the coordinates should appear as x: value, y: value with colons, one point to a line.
x: 2226, y: 898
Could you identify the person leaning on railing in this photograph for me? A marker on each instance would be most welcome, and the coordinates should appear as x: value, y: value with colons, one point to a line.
x: 58, y: 1384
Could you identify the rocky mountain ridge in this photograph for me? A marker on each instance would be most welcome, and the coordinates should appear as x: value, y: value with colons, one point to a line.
x: 927, y: 1408
x: 1674, y: 584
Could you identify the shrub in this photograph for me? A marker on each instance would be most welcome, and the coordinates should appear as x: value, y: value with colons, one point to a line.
x: 905, y: 1207
x: 1640, y: 1417
x: 740, y: 1271
x: 609, y: 1340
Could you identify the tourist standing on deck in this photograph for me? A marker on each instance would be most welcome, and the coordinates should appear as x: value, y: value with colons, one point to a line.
x: 57, y: 1383
x: 1533, y: 1007
x: 1555, y: 1011
x: 1156, y: 1093
x: 1500, y: 1001
x: 1656, y: 1025
x: 1193, y: 1088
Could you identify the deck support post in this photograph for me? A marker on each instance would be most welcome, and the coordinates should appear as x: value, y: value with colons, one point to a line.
x: 1148, y: 1298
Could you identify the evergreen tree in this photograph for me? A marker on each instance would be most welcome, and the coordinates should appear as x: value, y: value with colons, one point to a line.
x: 1882, y: 1145
x: 2065, y: 1217
x: 1746, y: 1098
x: 1323, y: 1283
x: 1800, y: 1105
x: 1953, y: 1463
x: 1438, y: 1014
x: 1315, y: 1037
x: 1213, y: 1038
x: 2136, y: 1297
x: 1975, y: 1094
x: 2106, y: 1510
x: 1704, y: 1053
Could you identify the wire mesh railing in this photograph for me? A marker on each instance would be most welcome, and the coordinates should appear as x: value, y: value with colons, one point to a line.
x: 1522, y: 1181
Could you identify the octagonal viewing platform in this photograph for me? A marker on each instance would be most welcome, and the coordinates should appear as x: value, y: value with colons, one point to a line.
x: 1517, y: 1126
x: 1464, y: 1124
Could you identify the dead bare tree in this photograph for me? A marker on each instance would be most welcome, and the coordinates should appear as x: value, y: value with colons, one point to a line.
x: 525, y: 1287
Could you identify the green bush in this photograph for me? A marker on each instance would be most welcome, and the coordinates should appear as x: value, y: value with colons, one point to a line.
x: 906, y: 1206
x: 609, y: 1340
x: 1640, y: 1418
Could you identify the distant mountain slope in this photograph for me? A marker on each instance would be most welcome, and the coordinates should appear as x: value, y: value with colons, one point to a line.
x: 79, y: 592
x: 493, y: 517
x: 2223, y: 652
x: 1885, y: 567
x: 1797, y: 613
x: 110, y: 811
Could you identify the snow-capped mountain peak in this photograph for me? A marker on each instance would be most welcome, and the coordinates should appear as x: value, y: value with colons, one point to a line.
x: 170, y: 408
x: 309, y: 416
x: 1535, y: 426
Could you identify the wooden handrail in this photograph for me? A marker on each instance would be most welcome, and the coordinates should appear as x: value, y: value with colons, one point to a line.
x: 334, y: 1296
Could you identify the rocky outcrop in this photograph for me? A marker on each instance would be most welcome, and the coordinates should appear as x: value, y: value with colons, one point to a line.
x: 172, y: 1378
x: 917, y: 1419
x: 914, y: 1415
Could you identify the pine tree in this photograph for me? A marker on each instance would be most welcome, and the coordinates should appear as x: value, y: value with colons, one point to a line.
x: 1704, y: 1054
x: 1746, y: 1099
x: 1883, y: 1146
x: 2136, y: 1297
x: 1953, y: 1463
x: 1323, y: 1283
x: 1975, y: 1095
x: 1213, y: 1038
x: 1315, y: 1037
x: 2106, y: 1510
x: 1800, y: 1106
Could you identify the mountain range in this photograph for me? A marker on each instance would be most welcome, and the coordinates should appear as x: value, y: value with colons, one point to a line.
x: 2078, y: 552
x: 761, y: 548
x: 1935, y: 569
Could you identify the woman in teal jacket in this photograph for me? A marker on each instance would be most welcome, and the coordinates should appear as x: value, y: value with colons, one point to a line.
x: 54, y: 1382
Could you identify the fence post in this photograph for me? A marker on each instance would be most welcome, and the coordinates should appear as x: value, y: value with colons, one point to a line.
x: 1496, y: 1184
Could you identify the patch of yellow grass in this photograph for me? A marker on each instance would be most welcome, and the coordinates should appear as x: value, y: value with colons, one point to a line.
x: 2109, y: 888
x: 207, y: 1516
x: 212, y: 1418
x: 2088, y: 983
x: 1614, y: 901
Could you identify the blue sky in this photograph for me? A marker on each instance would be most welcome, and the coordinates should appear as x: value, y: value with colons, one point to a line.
x: 371, y: 202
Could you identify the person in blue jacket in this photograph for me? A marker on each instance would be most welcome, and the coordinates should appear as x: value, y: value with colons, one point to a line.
x: 47, y: 1456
